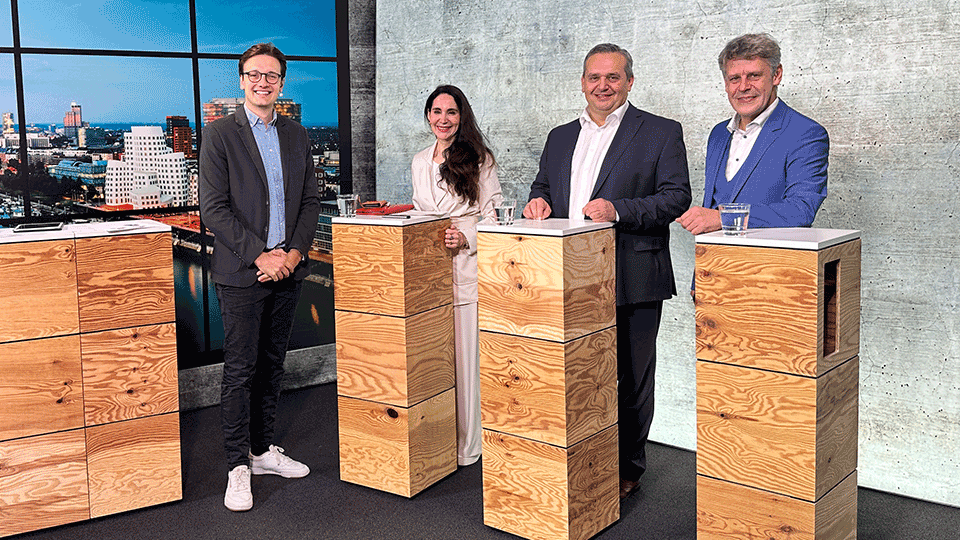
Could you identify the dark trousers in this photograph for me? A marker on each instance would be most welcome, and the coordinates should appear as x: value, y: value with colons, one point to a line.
x: 637, y: 328
x: 257, y: 321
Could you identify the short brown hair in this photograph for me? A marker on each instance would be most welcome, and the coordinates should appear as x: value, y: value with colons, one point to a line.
x: 268, y: 49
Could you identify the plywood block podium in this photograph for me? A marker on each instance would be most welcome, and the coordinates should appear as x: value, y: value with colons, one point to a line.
x: 548, y: 375
x: 393, y: 294
x: 89, y: 422
x: 778, y: 336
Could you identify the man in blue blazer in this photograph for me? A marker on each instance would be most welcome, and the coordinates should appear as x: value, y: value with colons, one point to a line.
x: 767, y: 155
x: 258, y: 195
x: 618, y: 163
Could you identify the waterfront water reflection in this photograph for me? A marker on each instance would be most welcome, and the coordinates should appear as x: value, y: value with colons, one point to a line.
x: 313, y: 324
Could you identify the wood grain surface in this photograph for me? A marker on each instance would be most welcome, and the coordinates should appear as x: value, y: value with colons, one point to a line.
x: 43, y: 482
x: 838, y: 399
x: 556, y: 288
x: 395, y: 360
x: 537, y: 490
x: 396, y: 271
x: 757, y: 428
x: 395, y: 449
x: 129, y: 373
x: 558, y: 393
x: 125, y: 281
x: 728, y: 511
x: 133, y: 464
x: 757, y: 307
x: 778, y: 432
x: 41, y: 387
x: 49, y: 271
x: 846, y: 327
x: 765, y: 307
x: 593, y: 479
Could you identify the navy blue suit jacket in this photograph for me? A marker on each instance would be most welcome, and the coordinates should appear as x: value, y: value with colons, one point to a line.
x: 645, y: 176
x: 785, y: 176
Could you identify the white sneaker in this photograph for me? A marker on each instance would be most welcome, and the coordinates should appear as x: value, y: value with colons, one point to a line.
x: 238, y: 496
x: 274, y: 462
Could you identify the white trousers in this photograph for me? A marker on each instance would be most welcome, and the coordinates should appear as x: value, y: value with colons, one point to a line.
x: 468, y: 383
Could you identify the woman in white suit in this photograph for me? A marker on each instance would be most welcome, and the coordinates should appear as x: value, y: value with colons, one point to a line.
x: 456, y: 177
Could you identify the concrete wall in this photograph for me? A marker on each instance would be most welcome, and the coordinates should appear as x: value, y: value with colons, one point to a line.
x: 881, y: 76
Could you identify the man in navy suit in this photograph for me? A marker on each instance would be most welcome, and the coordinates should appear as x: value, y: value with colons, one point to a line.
x: 767, y: 155
x: 258, y: 195
x: 618, y: 163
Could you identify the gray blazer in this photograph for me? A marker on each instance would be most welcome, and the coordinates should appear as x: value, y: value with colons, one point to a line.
x: 234, y: 203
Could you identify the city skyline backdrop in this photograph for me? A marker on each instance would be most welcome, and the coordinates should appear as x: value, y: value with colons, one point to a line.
x: 145, y: 90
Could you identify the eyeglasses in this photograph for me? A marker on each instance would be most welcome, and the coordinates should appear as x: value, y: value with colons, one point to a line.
x: 255, y: 76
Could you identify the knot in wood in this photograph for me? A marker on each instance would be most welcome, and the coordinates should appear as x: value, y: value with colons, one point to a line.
x: 393, y: 413
x: 519, y: 286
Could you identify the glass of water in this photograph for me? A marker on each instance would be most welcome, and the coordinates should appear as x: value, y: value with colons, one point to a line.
x: 734, y: 218
x: 505, y: 211
x: 347, y: 204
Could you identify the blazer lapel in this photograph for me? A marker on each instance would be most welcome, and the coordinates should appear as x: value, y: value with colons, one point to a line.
x: 250, y: 143
x: 626, y: 131
x: 769, y: 133
x: 718, y: 167
x: 283, y: 135
x: 560, y: 206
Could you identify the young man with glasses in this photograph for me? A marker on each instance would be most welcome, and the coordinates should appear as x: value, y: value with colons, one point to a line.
x: 258, y: 195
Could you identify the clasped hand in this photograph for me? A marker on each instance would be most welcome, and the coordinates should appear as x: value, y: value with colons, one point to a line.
x: 276, y: 264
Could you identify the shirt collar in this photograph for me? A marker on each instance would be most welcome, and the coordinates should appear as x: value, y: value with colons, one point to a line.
x: 254, y: 119
x: 759, y: 121
x: 616, y: 115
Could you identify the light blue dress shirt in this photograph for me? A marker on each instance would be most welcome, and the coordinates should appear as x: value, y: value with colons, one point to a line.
x: 268, y: 142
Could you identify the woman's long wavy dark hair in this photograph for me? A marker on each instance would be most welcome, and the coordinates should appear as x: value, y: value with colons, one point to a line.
x: 462, y: 161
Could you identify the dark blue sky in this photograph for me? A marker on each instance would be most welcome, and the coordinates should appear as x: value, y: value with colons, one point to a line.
x: 125, y: 89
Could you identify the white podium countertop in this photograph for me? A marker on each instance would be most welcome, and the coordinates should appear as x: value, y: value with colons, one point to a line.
x: 789, y: 238
x: 400, y: 219
x: 85, y: 230
x: 547, y: 227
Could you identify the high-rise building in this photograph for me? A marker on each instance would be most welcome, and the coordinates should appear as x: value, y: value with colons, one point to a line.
x: 8, y: 122
x: 180, y: 136
x: 217, y: 108
x: 149, y: 175
x: 91, y: 137
x: 72, y: 121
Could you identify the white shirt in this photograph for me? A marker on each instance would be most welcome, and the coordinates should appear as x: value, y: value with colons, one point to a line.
x: 592, y: 145
x: 743, y: 139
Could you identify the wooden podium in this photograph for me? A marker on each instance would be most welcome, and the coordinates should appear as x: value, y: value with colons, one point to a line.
x: 548, y: 377
x: 778, y: 337
x: 88, y: 373
x: 393, y: 293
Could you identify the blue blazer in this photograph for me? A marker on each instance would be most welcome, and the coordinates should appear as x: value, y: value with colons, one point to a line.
x: 645, y: 176
x: 785, y: 176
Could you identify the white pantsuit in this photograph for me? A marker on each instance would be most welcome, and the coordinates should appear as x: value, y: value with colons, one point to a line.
x: 433, y: 196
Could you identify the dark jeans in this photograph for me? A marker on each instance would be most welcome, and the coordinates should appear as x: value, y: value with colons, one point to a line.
x: 257, y: 321
x: 637, y: 329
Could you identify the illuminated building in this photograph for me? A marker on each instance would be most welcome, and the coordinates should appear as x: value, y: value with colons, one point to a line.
x: 217, y: 108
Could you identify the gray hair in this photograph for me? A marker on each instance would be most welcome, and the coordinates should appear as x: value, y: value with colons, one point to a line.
x: 611, y: 48
x: 748, y: 47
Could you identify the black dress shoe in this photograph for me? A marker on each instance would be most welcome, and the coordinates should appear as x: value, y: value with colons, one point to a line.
x: 628, y: 487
